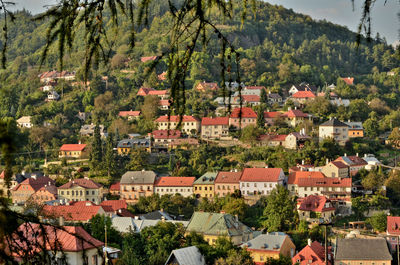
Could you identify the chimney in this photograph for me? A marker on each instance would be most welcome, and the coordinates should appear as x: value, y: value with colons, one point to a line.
x: 327, y: 161
x: 309, y: 241
x: 302, y: 162
x: 356, y: 154
x: 61, y: 220
x: 295, y: 108
x: 266, y: 166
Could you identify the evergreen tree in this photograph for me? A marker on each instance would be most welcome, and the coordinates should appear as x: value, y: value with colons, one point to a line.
x: 109, y: 156
x: 263, y: 96
x: 260, y: 118
x: 96, y: 154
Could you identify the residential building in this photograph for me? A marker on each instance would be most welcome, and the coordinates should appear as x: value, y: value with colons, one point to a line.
x: 186, y: 256
x: 184, y: 143
x: 360, y: 251
x: 260, y: 181
x: 25, y: 122
x: 296, y: 140
x: 74, y: 245
x: 348, y: 80
x: 114, y: 205
x: 129, y: 224
x: 340, y: 102
x: 334, y: 129
x: 272, y: 140
x: 23, y: 191
x: 174, y: 185
x: 53, y: 95
x: 314, y: 207
x: 130, y: 114
x: 294, y: 176
x: 145, y: 91
x: 214, y: 225
x: 125, y: 146
x: 227, y: 182
x: 73, y: 151
x: 3, y: 187
x: 270, y: 245
x: 204, y: 86
x: 46, y: 193
x: 372, y: 161
x: 393, y: 232
x: 53, y: 75
x: 302, y: 97
x: 302, y: 87
x: 356, y: 129
x: 335, y: 169
x: 354, y: 163
x: 88, y: 130
x: 73, y: 212
x: 271, y: 116
x: 313, y: 253
x: 203, y: 187
x: 164, y: 104
x: 251, y: 100
x: 296, y: 117
x: 83, y: 189
x: 242, y: 117
x: 189, y: 124
x: 274, y: 98
x: 165, y: 137
x: 135, y: 184
x: 214, y: 128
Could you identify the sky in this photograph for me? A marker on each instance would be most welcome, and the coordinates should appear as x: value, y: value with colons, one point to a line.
x: 384, y: 15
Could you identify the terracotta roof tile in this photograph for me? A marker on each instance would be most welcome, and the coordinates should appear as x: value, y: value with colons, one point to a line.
x: 72, y: 147
x: 166, y: 134
x: 148, y: 58
x: 175, y: 181
x: 228, y: 177
x: 115, y: 187
x: 245, y: 112
x: 261, y: 174
x: 272, y: 114
x: 296, y: 113
x: 132, y: 113
x: 75, y: 213
x: 251, y: 98
x: 214, y: 121
x: 304, y: 94
x: 314, y: 253
x: 84, y: 183
x: 295, y: 176
x: 393, y: 225
x: 115, y: 204
x: 176, y: 119
x: 315, y: 203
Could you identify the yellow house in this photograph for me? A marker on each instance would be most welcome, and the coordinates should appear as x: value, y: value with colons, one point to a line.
x: 355, y: 129
x: 270, y: 245
x: 215, y: 225
x: 83, y: 189
x: 203, y: 187
x: 125, y: 146
x: 72, y: 151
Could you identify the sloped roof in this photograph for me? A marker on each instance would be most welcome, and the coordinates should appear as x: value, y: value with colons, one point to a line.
x: 315, y: 203
x: 214, y: 121
x: 144, y: 91
x: 166, y: 134
x: 129, y: 143
x: 72, y: 147
x: 304, y: 94
x: 295, y: 113
x: 115, y: 204
x: 207, y: 179
x: 174, y: 181
x: 228, y: 177
x: 138, y: 177
x: 156, y: 215
x: 49, y: 188
x: 251, y: 98
x: 295, y: 176
x: 187, y: 256
x: 245, y: 112
x: 255, y: 87
x: 84, y: 183
x: 325, y: 182
x: 271, y: 241
x: 158, y: 92
x: 175, y: 118
x: 348, y: 80
x: 115, y: 187
x: 355, y: 125
x: 352, y: 160
x: 335, y: 123
x: 35, y: 182
x: 272, y: 137
x: 147, y: 58
x: 272, y: 114
x: 393, y: 225
x: 216, y: 224
x: 339, y: 164
x: 124, y: 224
x: 314, y: 252
x: 67, y: 238
x: 164, y: 102
x: 362, y: 249
x: 133, y: 113
x: 78, y: 212
x: 261, y: 174
x: 24, y: 119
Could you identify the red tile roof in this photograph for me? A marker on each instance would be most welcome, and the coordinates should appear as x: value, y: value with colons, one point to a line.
x: 295, y: 176
x: 148, y: 58
x: 393, y: 225
x: 68, y: 238
x: 272, y: 114
x: 164, y: 102
x: 158, y: 92
x: 162, y: 76
x: 228, y: 177
x: 115, y: 187
x: 115, y: 204
x: 78, y: 212
x: 133, y: 113
x: 251, y: 98
x: 72, y: 147
x: 325, y: 182
x: 295, y: 113
x: 84, y: 183
x: 245, y: 112
x: 175, y: 181
x: 356, y: 161
x: 339, y: 164
x: 304, y: 94
x: 144, y: 91
x: 35, y: 182
x: 272, y: 138
x: 348, y: 80
x: 314, y: 253
x: 166, y: 134
x: 261, y: 174
x: 207, y: 86
x: 214, y: 121
x: 176, y: 119
x: 315, y: 203
x: 255, y: 87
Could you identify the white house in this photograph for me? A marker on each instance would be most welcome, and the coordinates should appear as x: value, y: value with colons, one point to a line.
x: 173, y: 185
x: 260, y: 180
x: 53, y: 95
x: 25, y: 122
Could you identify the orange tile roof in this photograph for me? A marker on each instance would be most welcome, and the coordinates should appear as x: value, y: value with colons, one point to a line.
x: 314, y: 253
x: 228, y: 177
x: 115, y: 204
x: 325, y: 182
x: 273, y: 138
x: 393, y: 225
x: 339, y: 164
x: 166, y: 134
x: 272, y: 114
x: 175, y: 181
x: 164, y: 102
x: 214, y: 121
x: 133, y: 113
x: 35, y: 182
x: 261, y: 174
x: 295, y: 113
x: 251, y: 98
x: 245, y: 112
x: 176, y: 119
x: 295, y: 176
x: 76, y: 212
x: 304, y: 94
x: 84, y: 183
x: 115, y: 187
x: 348, y: 80
x: 148, y: 58
x: 144, y: 91
x: 315, y: 203
x: 255, y: 87
x: 72, y: 147
x: 158, y: 92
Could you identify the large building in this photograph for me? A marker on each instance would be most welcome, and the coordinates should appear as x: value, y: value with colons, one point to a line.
x: 314, y: 207
x: 23, y: 191
x: 212, y: 128
x: 189, y: 124
x: 355, y: 163
x: 203, y: 187
x: 336, y: 130
x: 83, y: 189
x: 242, y: 117
x: 174, y: 185
x: 135, y: 184
x: 73, y: 151
x: 214, y: 225
x: 260, y: 181
x: 313, y: 252
x: 227, y: 182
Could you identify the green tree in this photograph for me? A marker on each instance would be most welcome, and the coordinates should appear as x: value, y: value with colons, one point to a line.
x: 150, y: 107
x: 283, y: 260
x: 263, y: 97
x: 96, y: 227
x: 250, y: 134
x: 260, y: 118
x: 96, y: 154
x: 280, y: 213
x: 110, y: 156
x: 378, y: 221
x: 394, y: 137
x: 138, y: 158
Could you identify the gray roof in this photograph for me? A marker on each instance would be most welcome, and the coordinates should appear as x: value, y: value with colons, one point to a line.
x: 362, y: 249
x: 141, y: 224
x: 207, y: 179
x: 335, y: 123
x: 138, y: 177
x: 268, y: 241
x: 186, y: 256
x: 355, y: 124
x: 156, y: 215
x: 129, y: 143
x: 127, y: 224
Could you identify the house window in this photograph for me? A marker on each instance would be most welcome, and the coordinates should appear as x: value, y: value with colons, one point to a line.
x: 94, y: 260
